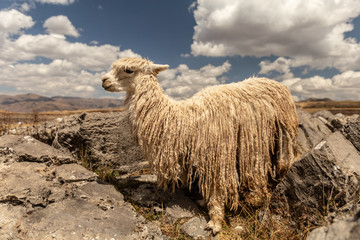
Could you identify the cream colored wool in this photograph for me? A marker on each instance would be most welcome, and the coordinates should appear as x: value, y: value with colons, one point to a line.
x: 232, y: 138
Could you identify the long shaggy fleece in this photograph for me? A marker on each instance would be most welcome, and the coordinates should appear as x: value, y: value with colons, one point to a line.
x: 232, y: 137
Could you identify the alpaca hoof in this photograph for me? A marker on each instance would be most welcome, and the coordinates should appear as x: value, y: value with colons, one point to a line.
x: 215, y: 227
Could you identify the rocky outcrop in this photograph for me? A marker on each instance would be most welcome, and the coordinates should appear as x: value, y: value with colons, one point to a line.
x: 322, y: 182
x: 94, y: 139
x: 45, y: 193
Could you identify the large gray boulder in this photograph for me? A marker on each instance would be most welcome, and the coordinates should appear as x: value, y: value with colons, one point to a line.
x: 323, y: 183
x: 94, y: 139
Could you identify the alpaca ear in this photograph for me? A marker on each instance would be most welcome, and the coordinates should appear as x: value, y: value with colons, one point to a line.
x: 156, y: 68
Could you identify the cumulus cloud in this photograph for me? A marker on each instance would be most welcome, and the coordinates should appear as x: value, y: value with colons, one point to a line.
x: 280, y: 65
x: 343, y: 86
x: 60, y: 25
x: 25, y: 7
x: 57, y: 2
x: 74, y: 68
x: 183, y: 82
x: 309, y: 32
x: 12, y: 21
x: 301, y: 33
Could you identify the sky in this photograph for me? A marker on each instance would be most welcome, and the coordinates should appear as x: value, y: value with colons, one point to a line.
x: 63, y: 47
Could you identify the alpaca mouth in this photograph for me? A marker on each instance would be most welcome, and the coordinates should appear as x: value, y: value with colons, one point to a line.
x: 106, y: 85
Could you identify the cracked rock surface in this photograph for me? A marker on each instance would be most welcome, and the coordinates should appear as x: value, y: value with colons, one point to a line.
x: 42, y: 197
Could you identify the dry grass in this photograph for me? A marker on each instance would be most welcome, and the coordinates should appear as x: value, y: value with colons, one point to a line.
x: 344, y: 107
x: 10, y: 120
x: 251, y: 223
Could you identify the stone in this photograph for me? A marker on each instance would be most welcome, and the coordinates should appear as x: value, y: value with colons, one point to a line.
x: 97, y: 139
x: 144, y: 194
x: 46, y: 194
x: 344, y: 153
x: 74, y: 173
x: 312, y: 130
x: 78, y: 219
x: 351, y: 131
x: 181, y: 206
x: 345, y: 229
x: 46, y: 199
x: 31, y: 150
x: 195, y: 228
x: 93, y: 139
x: 321, y: 182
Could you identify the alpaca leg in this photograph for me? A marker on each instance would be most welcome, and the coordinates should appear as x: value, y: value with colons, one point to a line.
x: 216, y: 208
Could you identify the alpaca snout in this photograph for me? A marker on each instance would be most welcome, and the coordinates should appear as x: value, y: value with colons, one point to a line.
x: 104, y: 78
x: 106, y: 83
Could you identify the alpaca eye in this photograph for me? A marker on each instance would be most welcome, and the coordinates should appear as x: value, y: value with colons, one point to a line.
x: 129, y: 71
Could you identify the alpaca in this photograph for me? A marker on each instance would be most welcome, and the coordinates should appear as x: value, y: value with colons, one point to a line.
x: 234, y: 139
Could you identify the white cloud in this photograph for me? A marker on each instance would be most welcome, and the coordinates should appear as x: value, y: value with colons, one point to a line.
x: 60, y: 25
x: 281, y: 65
x: 60, y: 77
x: 75, y: 68
x: 12, y: 21
x: 183, y: 82
x: 25, y: 7
x: 308, y: 32
x: 57, y: 2
x: 344, y: 86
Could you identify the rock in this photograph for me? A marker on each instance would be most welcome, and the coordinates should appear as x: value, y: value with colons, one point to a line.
x: 181, y: 206
x: 312, y: 130
x: 148, y: 231
x: 78, y: 219
x: 195, y: 228
x: 94, y: 139
x: 45, y: 194
x: 42, y: 199
x: 334, y: 122
x: 74, y: 173
x: 324, y: 114
x: 108, y: 139
x: 31, y: 150
x: 144, y: 194
x: 344, y: 153
x: 351, y: 131
x: 321, y: 182
x: 147, y: 178
x: 346, y: 229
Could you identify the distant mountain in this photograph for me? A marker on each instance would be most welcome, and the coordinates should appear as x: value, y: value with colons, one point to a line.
x: 33, y: 102
x: 317, y: 100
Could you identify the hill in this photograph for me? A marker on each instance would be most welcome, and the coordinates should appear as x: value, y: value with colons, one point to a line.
x: 314, y: 105
x: 35, y: 103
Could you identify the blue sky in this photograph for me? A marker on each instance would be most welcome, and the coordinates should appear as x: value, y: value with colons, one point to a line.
x: 63, y: 47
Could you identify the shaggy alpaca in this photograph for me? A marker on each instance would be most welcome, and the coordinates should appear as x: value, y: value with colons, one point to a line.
x: 233, y: 138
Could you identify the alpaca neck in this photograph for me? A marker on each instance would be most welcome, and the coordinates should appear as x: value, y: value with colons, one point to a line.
x: 147, y: 99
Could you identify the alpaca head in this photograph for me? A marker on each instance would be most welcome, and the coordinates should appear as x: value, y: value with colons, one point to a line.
x: 125, y: 72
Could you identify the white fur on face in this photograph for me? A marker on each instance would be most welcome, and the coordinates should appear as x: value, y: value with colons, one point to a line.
x: 116, y: 82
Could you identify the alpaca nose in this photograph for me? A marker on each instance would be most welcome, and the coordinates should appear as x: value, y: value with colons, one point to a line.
x: 104, y: 78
